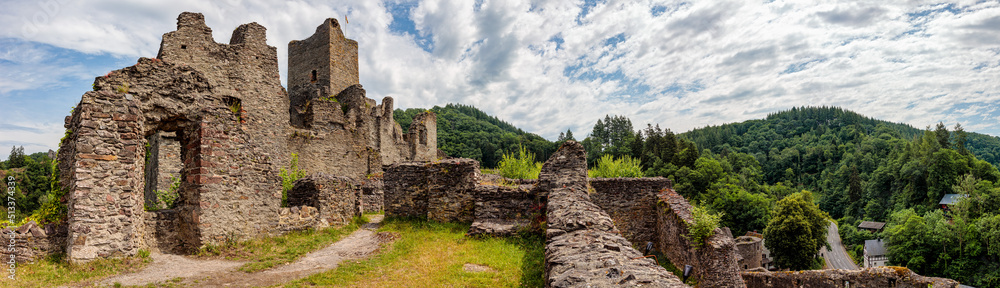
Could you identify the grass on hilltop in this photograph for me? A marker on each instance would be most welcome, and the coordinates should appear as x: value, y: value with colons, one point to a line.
x: 54, y: 270
x: 432, y: 254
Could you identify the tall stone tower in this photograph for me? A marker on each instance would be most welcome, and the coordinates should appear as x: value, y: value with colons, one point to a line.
x: 322, y: 65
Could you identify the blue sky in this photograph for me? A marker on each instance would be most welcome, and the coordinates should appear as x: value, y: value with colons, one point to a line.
x: 551, y: 65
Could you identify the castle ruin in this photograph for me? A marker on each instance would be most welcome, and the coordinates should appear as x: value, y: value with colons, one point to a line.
x: 216, y: 117
x: 213, y: 120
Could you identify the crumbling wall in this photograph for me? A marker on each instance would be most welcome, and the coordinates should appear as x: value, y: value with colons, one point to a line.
x: 339, y: 130
x: 33, y: 242
x: 441, y: 191
x: 897, y: 277
x: 583, y: 246
x: 504, y: 210
x: 631, y: 203
x: 715, y: 263
x: 336, y: 198
x: 297, y: 218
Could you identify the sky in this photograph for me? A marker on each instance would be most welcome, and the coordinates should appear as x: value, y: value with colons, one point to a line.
x: 551, y: 65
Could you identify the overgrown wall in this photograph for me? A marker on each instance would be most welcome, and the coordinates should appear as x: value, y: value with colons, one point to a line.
x: 583, y: 247
x: 896, y: 277
x: 715, y: 263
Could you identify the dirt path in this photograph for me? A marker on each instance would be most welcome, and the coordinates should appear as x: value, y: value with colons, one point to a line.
x: 221, y: 273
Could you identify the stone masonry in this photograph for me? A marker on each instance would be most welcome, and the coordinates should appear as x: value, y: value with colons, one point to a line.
x: 631, y: 203
x: 750, y: 252
x: 583, y: 246
x: 441, y: 191
x: 217, y: 116
x: 715, y: 263
x: 895, y: 277
x: 336, y: 198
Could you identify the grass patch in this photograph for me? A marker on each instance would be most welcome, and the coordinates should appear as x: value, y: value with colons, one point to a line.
x: 663, y: 261
x: 264, y: 253
x: 55, y: 271
x: 432, y: 254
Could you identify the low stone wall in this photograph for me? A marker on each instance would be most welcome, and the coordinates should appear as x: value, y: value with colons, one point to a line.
x: 897, y: 277
x: 504, y: 210
x: 441, y: 190
x: 715, y: 263
x: 337, y: 199
x: 298, y: 218
x: 31, y: 243
x: 583, y: 247
x: 161, y: 231
x: 631, y: 203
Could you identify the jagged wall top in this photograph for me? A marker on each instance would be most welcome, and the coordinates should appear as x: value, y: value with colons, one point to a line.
x: 326, y: 59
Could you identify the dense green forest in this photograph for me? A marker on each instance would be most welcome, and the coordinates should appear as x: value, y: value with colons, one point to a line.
x: 464, y: 131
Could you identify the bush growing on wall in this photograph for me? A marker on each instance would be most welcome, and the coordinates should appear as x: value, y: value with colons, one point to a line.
x: 608, y: 167
x: 520, y: 166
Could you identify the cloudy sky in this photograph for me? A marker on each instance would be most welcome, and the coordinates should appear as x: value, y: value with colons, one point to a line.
x: 551, y: 65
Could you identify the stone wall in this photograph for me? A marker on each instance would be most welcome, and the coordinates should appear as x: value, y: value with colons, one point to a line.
x: 897, y: 277
x: 441, y: 190
x: 715, y: 263
x: 33, y: 242
x: 372, y: 194
x: 297, y: 218
x: 631, y: 203
x: 161, y: 231
x: 337, y: 199
x: 102, y: 174
x: 750, y: 252
x: 504, y: 211
x: 583, y: 246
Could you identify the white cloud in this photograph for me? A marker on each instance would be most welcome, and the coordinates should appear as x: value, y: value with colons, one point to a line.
x: 704, y: 62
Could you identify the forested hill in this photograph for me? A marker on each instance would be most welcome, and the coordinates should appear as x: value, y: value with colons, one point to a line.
x: 806, y: 127
x: 465, y: 131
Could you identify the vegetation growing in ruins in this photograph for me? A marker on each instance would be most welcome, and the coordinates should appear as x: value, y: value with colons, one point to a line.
x: 519, y: 166
x: 703, y: 225
x: 288, y: 177
x: 167, y: 199
x: 608, y: 167
x: 432, y: 254
x: 38, y: 195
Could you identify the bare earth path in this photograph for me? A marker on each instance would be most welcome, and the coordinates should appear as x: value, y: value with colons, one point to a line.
x: 221, y: 273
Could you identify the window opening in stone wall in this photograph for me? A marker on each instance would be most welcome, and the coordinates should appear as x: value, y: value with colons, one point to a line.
x: 184, y: 46
x: 314, y: 76
x: 163, y: 170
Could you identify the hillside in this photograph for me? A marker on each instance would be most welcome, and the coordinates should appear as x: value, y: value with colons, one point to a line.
x: 465, y: 131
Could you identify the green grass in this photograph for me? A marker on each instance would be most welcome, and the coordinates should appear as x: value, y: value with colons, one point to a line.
x: 432, y: 254
x: 264, y: 253
x: 665, y: 262
x: 54, y: 271
x: 608, y: 167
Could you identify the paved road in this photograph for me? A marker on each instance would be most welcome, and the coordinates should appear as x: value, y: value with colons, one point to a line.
x: 836, y: 258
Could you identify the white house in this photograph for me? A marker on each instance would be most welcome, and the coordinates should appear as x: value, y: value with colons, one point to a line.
x: 875, y: 255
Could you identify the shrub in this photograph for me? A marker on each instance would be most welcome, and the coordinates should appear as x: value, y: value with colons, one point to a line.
x: 520, y: 166
x: 288, y: 177
x: 608, y: 167
x: 703, y: 226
